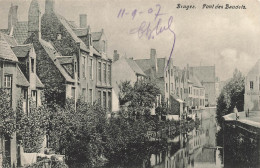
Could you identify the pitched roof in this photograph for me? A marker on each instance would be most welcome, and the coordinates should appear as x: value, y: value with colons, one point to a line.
x: 66, y: 24
x: 195, y: 81
x: 72, y: 24
x: 135, y: 67
x: 22, y: 51
x: 204, y: 73
x: 21, y: 32
x: 21, y: 79
x: 5, y: 31
x: 5, y: 50
x: 80, y: 31
x: 146, y: 64
x: 10, y: 40
x: 65, y: 59
x: 96, y: 36
x: 52, y: 54
x: 255, y: 68
x: 39, y: 83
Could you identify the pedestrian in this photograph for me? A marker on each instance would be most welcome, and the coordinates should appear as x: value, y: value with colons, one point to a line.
x: 236, y: 113
x: 248, y: 112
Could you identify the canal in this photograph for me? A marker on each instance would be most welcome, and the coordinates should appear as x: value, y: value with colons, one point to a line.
x: 201, y: 147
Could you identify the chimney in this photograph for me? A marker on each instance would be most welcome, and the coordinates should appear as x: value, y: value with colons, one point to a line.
x: 188, y: 71
x: 116, y: 56
x: 49, y: 6
x: 34, y: 19
x: 83, y: 20
x: 153, y: 58
x: 12, y: 17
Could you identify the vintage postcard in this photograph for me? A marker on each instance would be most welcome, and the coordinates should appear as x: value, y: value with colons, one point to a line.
x: 129, y: 83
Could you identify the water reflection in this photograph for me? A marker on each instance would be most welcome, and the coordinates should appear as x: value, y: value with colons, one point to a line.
x: 194, y: 149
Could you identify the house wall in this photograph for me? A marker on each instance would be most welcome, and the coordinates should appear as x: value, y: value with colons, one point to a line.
x: 121, y: 71
x: 210, y: 92
x: 54, y: 82
x: 252, y: 96
x: 10, y: 68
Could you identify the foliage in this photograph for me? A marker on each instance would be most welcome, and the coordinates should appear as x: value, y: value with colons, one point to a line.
x: 162, y: 109
x: 231, y: 95
x: 31, y: 127
x: 139, y: 98
x: 78, y: 133
x: 7, y: 115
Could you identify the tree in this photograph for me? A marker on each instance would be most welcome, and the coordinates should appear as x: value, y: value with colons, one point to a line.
x: 231, y: 95
x: 31, y: 127
x: 139, y: 98
x: 7, y: 115
x: 79, y: 134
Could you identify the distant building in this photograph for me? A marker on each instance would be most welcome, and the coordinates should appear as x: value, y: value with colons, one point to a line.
x: 124, y: 69
x: 252, y: 89
x: 155, y: 69
x: 207, y: 77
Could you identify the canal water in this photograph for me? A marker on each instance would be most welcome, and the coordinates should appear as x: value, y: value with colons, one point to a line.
x: 194, y: 149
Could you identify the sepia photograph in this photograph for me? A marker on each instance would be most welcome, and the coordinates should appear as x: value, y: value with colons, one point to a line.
x: 129, y: 84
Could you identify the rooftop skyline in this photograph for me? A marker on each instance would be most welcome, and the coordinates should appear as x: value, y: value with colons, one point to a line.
x: 225, y: 38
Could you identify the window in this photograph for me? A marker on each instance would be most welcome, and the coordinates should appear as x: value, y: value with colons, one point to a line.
x: 109, y: 101
x: 84, y: 94
x: 75, y: 67
x: 166, y: 87
x: 73, y: 92
x: 104, y: 100
x: 59, y: 36
x: 99, y: 97
x: 32, y: 61
x: 189, y: 90
x: 8, y: 81
x: 84, y: 67
x: 251, y: 85
x: 90, y: 96
x: 99, y: 71
x: 166, y: 73
x: 90, y: 65
x: 34, y: 96
x: 109, y: 73
x: 172, y: 86
x: 171, y: 72
x: 8, y: 86
x: 105, y: 73
x: 24, y: 93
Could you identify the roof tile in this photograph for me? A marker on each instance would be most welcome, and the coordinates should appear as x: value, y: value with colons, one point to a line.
x: 5, y: 50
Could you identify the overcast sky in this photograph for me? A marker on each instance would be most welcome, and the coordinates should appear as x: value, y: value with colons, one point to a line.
x: 228, y: 39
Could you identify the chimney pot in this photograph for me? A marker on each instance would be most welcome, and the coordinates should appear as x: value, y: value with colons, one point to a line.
x: 116, y: 56
x: 153, y: 58
x: 83, y: 20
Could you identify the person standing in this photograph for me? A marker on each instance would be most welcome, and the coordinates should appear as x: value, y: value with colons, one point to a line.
x: 236, y: 113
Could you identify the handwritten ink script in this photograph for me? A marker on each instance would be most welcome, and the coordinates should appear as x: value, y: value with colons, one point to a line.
x: 150, y: 29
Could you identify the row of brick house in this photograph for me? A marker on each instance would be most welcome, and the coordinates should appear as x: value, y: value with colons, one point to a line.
x: 52, y: 58
x: 182, y: 89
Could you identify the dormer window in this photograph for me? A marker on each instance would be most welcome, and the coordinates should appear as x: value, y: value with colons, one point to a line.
x: 32, y: 68
x: 59, y: 36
